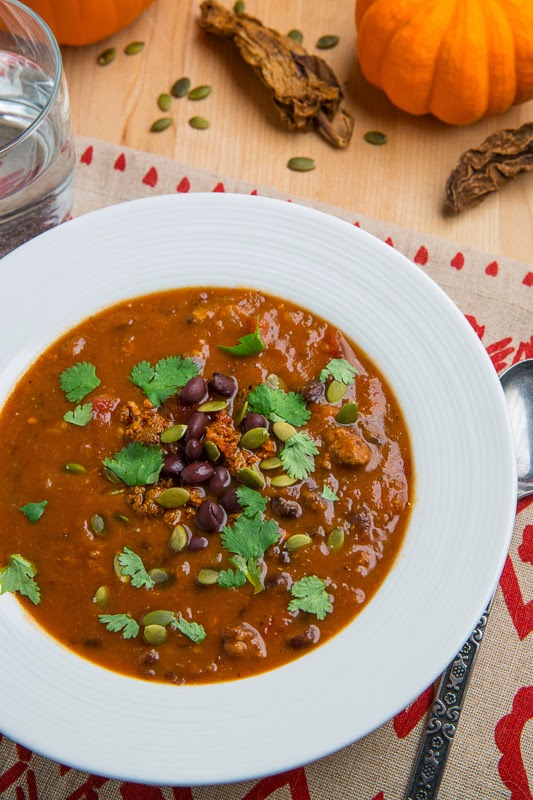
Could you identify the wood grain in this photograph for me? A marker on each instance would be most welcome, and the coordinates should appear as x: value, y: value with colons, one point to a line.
x: 401, y: 182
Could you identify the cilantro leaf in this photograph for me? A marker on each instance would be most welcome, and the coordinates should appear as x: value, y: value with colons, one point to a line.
x: 193, y: 630
x: 18, y: 576
x: 132, y: 565
x: 277, y: 405
x: 297, y: 455
x: 329, y: 494
x: 252, y: 570
x: 81, y: 416
x: 251, y: 501
x: 136, y: 464
x: 162, y: 381
x: 250, y: 538
x: 229, y: 579
x: 310, y: 595
x: 248, y: 345
x: 34, y: 511
x: 340, y: 370
x: 78, y: 381
x: 120, y: 622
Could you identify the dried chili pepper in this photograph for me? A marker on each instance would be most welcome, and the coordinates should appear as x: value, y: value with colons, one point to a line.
x: 487, y: 168
x: 304, y: 87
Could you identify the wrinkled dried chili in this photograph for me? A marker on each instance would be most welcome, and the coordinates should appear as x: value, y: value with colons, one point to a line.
x: 304, y: 87
x: 487, y: 168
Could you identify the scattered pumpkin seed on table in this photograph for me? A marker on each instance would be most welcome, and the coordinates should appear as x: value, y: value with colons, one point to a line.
x: 325, y: 42
x: 133, y: 48
x: 375, y: 137
x: 199, y: 92
x: 164, y: 101
x: 199, y: 123
x: 301, y: 164
x: 296, y: 35
x: 180, y: 87
x: 107, y: 56
x: 161, y: 124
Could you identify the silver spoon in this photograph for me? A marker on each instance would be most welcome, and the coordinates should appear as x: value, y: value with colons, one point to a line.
x: 517, y: 383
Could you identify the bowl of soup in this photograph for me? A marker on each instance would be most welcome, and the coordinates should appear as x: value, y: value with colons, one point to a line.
x: 252, y: 458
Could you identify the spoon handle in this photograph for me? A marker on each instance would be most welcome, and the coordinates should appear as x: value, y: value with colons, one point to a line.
x: 442, y: 723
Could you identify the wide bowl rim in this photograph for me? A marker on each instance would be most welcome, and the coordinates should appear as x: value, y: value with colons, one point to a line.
x: 111, y: 219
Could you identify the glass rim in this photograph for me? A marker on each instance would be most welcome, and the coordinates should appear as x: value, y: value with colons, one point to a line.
x: 57, y: 77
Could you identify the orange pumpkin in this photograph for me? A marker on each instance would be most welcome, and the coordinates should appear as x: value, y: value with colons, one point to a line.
x: 460, y: 60
x: 86, y: 21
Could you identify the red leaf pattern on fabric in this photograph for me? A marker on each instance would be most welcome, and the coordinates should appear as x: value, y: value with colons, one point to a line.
x: 507, y: 735
x: 492, y: 269
x: 421, y: 256
x: 525, y: 550
x: 296, y: 780
x: 408, y: 719
x: 524, y: 350
x: 138, y: 791
x: 12, y: 775
x: 150, y: 179
x: 120, y: 163
x: 499, y: 352
x: 182, y: 793
x: 219, y: 187
x: 521, y: 613
x: 254, y: 192
x: 458, y: 261
x: 528, y: 279
x: 389, y: 241
x: 87, y: 156
x: 184, y: 185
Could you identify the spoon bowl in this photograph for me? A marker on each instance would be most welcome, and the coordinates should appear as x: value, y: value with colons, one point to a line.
x: 517, y: 383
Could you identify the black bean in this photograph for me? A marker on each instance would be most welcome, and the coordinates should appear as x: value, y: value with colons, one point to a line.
x: 198, y: 472
x: 210, y: 516
x: 198, y: 543
x: 148, y: 657
x: 312, y: 391
x: 222, y: 385
x: 173, y: 464
x: 279, y: 583
x: 253, y: 420
x: 194, y: 450
x: 307, y: 638
x: 196, y: 426
x: 286, y: 508
x: 220, y: 480
x: 229, y: 501
x: 194, y: 391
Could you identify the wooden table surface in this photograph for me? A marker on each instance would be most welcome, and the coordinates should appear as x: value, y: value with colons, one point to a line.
x: 401, y: 182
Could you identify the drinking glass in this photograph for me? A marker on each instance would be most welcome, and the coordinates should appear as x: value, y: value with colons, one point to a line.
x: 36, y: 149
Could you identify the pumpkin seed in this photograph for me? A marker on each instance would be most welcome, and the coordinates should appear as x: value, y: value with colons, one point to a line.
x: 110, y: 475
x: 301, y: 164
x: 271, y: 463
x: 178, y: 539
x: 98, y: 525
x: 335, y: 391
x: 347, y: 414
x: 199, y: 123
x: 173, y: 498
x: 155, y: 634
x: 283, y: 430
x: 296, y: 35
x: 375, y: 137
x: 207, y: 577
x: 101, y: 596
x: 173, y: 434
x: 336, y: 539
x: 164, y: 101
x: 199, y: 92
x: 254, y: 438
x: 163, y: 618
x: 281, y: 481
x: 133, y: 48
x: 159, y: 575
x: 297, y: 541
x: 107, y: 56
x: 161, y: 124
x: 325, y: 42
x: 241, y: 413
x: 212, y: 452
x: 118, y: 570
x: 75, y: 469
x: 239, y: 7
x: 251, y: 477
x: 180, y: 87
x: 122, y: 518
x: 213, y: 405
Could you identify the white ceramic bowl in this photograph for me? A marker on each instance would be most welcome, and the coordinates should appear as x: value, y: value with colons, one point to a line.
x: 79, y: 714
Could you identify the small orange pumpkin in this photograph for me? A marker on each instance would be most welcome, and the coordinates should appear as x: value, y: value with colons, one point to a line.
x: 86, y: 21
x: 460, y: 60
